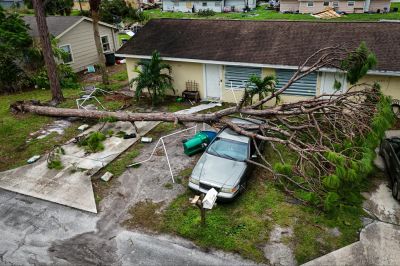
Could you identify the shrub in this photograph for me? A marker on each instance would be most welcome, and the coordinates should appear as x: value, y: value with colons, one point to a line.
x: 93, y: 143
x: 206, y: 13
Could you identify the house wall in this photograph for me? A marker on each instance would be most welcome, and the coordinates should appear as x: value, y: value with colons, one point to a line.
x: 319, y: 6
x: 84, y: 3
x: 289, y: 5
x: 181, y: 73
x: 379, y: 4
x: 239, y: 4
x: 83, y: 46
x: 184, y: 71
x: 186, y: 6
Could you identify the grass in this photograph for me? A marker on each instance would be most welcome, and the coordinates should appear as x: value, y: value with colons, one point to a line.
x: 261, y: 14
x: 145, y: 214
x: 15, y: 129
x: 118, y: 166
x: 244, y: 226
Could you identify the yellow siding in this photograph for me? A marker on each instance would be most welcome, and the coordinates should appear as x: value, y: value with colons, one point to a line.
x: 183, y: 71
x: 390, y: 85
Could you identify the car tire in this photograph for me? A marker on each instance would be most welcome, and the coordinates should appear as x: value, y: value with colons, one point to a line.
x: 395, y: 190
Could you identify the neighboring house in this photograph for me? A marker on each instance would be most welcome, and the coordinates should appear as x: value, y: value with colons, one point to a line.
x: 81, y: 3
x: 352, y: 6
x: 75, y: 36
x: 12, y: 3
x: 218, y: 54
x: 215, y: 5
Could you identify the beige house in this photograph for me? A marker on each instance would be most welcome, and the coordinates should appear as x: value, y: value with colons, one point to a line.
x: 75, y: 36
x: 348, y: 6
x: 220, y: 55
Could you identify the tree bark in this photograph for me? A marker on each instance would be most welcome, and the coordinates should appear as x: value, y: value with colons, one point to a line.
x: 80, y: 5
x: 51, y: 66
x: 94, y: 10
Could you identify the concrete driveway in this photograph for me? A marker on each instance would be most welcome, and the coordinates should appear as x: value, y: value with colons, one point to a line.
x: 39, y: 232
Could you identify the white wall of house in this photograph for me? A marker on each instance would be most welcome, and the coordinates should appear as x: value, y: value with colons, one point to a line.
x: 82, y: 45
x: 186, y: 6
x: 216, y: 6
x: 314, y: 6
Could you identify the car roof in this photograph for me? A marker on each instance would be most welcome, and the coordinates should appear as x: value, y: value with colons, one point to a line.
x: 228, y: 133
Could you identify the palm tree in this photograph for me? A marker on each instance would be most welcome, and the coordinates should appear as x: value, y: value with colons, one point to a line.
x: 260, y: 87
x: 153, y: 75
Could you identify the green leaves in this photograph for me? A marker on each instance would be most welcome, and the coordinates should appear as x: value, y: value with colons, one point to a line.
x: 331, y: 182
x: 153, y: 75
x: 285, y: 169
x: 261, y: 87
x: 358, y: 63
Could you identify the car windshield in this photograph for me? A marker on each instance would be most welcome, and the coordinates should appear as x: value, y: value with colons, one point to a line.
x: 229, y: 149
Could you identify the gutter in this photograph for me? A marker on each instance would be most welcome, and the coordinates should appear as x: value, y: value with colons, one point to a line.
x: 188, y: 60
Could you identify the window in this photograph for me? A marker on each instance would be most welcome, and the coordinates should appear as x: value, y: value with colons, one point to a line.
x: 303, y: 87
x: 239, y: 76
x: 105, y: 43
x: 350, y: 3
x: 204, y: 4
x: 217, y: 3
x: 176, y: 3
x: 68, y: 52
x: 310, y: 3
x: 326, y: 3
x: 335, y: 4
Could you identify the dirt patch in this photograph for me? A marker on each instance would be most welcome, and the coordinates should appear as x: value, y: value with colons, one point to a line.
x: 96, y: 77
x: 145, y: 214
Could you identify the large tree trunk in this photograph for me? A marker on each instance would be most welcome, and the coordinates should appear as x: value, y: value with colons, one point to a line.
x: 94, y: 10
x: 51, y: 66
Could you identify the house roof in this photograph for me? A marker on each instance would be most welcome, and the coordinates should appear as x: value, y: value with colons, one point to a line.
x: 281, y: 43
x: 58, y: 25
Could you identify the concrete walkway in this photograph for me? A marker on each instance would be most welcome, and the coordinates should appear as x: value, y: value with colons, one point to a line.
x: 72, y: 185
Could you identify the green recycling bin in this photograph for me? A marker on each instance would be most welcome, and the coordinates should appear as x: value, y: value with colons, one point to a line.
x: 198, y: 142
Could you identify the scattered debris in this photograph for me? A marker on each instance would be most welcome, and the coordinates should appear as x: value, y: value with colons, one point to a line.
x: 54, y: 158
x: 130, y: 136
x: 57, y: 126
x: 327, y: 14
x: 106, y: 177
x: 335, y: 232
x: 83, y: 127
x: 33, y: 159
x: 146, y: 140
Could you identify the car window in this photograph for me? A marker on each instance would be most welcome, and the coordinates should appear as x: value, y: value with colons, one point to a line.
x: 229, y: 149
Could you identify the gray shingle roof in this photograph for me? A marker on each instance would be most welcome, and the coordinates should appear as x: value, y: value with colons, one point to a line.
x: 285, y: 43
x: 56, y: 24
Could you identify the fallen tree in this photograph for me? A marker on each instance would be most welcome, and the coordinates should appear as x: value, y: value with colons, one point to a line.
x: 332, y: 137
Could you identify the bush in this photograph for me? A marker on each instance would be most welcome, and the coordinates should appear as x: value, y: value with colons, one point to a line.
x: 93, y: 143
x: 205, y: 13
x: 67, y: 77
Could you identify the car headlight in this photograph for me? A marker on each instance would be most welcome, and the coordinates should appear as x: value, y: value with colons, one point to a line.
x: 194, y: 181
x: 230, y: 189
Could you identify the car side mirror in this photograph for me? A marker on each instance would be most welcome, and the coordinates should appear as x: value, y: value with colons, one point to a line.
x: 254, y: 156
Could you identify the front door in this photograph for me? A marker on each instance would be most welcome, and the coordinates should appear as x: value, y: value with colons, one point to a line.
x: 213, y: 81
x: 328, y: 82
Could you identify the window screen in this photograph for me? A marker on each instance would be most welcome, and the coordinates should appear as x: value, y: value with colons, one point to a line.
x: 303, y: 87
x: 239, y: 76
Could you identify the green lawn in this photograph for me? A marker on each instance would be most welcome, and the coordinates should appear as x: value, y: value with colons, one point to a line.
x: 261, y: 14
x: 15, y: 129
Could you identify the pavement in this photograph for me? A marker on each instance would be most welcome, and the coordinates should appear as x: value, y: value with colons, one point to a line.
x: 40, y: 232
x: 71, y: 186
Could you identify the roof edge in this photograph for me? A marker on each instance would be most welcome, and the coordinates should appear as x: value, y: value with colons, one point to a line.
x: 202, y: 61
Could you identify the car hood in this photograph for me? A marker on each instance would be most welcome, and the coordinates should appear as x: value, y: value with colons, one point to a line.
x: 218, y: 171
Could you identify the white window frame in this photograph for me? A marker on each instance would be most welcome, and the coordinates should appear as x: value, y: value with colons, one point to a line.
x: 108, y: 41
x: 70, y: 52
x: 352, y: 3
x: 310, y: 3
x: 329, y: 3
x: 336, y: 4
x: 217, y: 3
